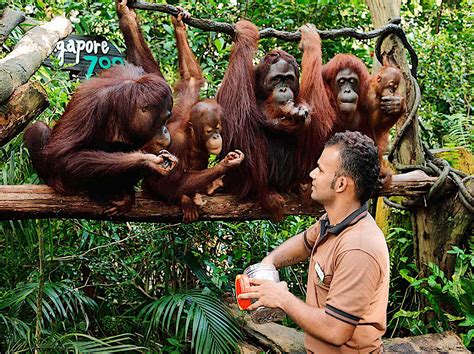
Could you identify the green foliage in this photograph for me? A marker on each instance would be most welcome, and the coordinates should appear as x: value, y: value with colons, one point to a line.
x: 442, y: 39
x: 60, y: 302
x: 446, y: 302
x: 193, y: 316
x: 62, y: 306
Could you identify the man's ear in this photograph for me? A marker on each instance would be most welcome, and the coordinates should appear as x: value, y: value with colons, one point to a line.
x: 342, y: 183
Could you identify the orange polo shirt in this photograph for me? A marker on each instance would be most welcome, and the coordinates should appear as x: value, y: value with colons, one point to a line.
x: 349, y: 277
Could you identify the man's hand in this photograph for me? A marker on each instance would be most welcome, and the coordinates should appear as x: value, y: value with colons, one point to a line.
x: 268, y: 293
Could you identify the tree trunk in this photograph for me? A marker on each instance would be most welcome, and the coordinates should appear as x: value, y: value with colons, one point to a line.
x: 18, y: 66
x: 434, y: 227
x: 444, y: 226
x: 26, y: 103
x: 382, y: 11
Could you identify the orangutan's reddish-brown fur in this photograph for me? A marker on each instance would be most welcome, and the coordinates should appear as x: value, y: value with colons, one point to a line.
x: 384, y: 87
x: 94, y: 146
x: 279, y: 140
x: 194, y: 125
x: 313, y: 92
x: 371, y: 116
x: 243, y: 119
x: 352, y: 120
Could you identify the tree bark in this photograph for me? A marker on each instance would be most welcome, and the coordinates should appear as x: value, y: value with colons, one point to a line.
x: 8, y: 21
x: 26, y: 103
x: 18, y: 66
x: 39, y: 201
x: 440, y: 227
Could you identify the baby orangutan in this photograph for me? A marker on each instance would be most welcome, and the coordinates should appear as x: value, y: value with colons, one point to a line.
x: 192, y: 142
x: 386, y: 106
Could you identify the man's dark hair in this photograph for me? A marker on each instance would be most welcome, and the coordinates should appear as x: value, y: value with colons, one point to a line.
x: 359, y: 160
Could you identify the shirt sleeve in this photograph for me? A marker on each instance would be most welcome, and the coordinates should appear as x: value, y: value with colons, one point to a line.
x: 355, y: 280
x: 311, y: 235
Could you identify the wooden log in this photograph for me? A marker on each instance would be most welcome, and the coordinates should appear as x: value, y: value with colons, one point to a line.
x: 8, y: 21
x: 18, y: 66
x: 26, y: 103
x: 39, y: 201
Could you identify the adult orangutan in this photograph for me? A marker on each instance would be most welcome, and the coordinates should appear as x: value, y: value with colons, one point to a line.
x: 195, y: 125
x: 262, y: 118
x: 346, y: 78
x: 94, y: 147
x: 370, y: 104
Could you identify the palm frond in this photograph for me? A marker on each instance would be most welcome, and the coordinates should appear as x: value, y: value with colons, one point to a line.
x: 14, y: 328
x: 60, y: 301
x: 83, y: 343
x: 193, y: 263
x: 460, y: 130
x: 206, y: 321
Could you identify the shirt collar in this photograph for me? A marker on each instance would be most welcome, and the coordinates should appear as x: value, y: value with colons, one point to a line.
x: 350, y: 220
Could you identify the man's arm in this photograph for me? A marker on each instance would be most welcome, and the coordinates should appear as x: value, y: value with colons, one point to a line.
x: 290, y: 252
x: 293, y: 250
x: 314, y: 321
x: 350, y: 295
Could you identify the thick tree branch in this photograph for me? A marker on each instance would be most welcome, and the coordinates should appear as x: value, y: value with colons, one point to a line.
x: 33, y: 201
x: 227, y: 28
x: 18, y: 66
x: 8, y: 21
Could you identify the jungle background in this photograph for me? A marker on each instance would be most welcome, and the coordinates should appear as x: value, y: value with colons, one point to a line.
x: 160, y: 287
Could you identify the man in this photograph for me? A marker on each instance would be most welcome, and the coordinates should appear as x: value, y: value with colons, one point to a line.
x: 347, y: 291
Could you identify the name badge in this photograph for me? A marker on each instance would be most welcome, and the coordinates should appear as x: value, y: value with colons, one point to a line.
x: 319, y: 272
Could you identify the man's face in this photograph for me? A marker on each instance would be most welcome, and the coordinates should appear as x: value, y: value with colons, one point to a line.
x: 324, y: 176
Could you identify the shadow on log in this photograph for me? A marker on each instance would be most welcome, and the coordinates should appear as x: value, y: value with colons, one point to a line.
x: 39, y: 201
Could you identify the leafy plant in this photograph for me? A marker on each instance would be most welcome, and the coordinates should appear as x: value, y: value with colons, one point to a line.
x: 195, y: 317
x: 449, y: 301
x: 61, y: 303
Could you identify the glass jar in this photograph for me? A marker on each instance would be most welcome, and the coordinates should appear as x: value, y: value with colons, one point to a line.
x: 267, y: 272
